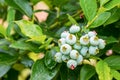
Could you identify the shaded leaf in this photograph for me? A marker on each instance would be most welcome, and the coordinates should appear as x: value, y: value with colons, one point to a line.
x: 49, y: 59
x: 102, y: 2
x: 87, y: 71
x: 113, y: 62
x: 89, y: 8
x: 100, y: 20
x: 41, y: 72
x: 22, y: 5
x: 103, y: 70
x: 110, y: 40
x: 72, y: 20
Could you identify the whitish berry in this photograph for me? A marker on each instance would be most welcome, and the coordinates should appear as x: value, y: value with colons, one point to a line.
x: 65, y: 58
x: 58, y: 57
x: 92, y: 33
x: 101, y: 44
x: 74, y: 54
x: 94, y: 40
x: 74, y: 29
x: 65, y: 49
x: 93, y: 50
x: 72, y: 64
x: 84, y: 40
x: 77, y: 46
x: 64, y: 34
x: 84, y: 51
x: 61, y: 41
x: 71, y: 39
x: 79, y: 59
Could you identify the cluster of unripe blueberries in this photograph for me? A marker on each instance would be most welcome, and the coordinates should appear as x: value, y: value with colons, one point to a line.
x: 74, y: 49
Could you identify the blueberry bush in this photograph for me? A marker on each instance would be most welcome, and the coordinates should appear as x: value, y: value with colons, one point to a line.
x: 59, y: 39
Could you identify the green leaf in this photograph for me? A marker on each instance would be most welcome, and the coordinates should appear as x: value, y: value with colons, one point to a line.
x: 11, y: 14
x: 113, y: 62
x: 72, y: 20
x: 31, y: 30
x: 115, y: 74
x: 103, y: 70
x: 4, y: 69
x: 100, y: 20
x: 41, y: 72
x: 22, y: 44
x: 116, y: 48
x: 87, y: 72
x: 115, y: 13
x: 89, y: 8
x: 49, y: 59
x: 111, y: 4
x: 22, y: 5
x: 2, y: 30
x: 110, y: 40
x: 102, y: 2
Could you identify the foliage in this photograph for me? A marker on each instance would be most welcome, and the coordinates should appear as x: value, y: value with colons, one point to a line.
x: 28, y: 46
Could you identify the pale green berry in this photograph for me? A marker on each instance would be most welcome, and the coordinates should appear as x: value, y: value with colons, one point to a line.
x: 72, y: 64
x: 65, y: 49
x: 74, y: 54
x: 77, y: 46
x: 58, y: 57
x: 94, y: 40
x: 93, y: 50
x: 71, y: 39
x: 84, y: 40
x: 65, y: 58
x: 84, y: 51
x: 101, y: 44
x: 79, y: 59
x: 92, y: 33
x: 61, y: 41
x: 74, y: 29
x: 64, y: 34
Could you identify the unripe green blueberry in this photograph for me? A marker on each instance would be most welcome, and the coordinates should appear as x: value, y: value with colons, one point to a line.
x: 93, y: 50
x: 65, y: 49
x: 64, y: 34
x: 101, y: 44
x: 92, y: 33
x: 84, y: 51
x: 74, y: 54
x: 58, y: 57
x: 61, y: 41
x: 94, y: 40
x: 72, y: 64
x: 79, y: 59
x: 65, y: 58
x: 77, y: 46
x: 84, y: 40
x: 71, y: 39
x: 74, y: 29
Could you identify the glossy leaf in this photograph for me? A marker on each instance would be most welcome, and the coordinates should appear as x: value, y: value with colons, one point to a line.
x: 87, y: 71
x: 113, y: 62
x: 49, y: 59
x: 111, y: 4
x: 22, y: 5
x: 31, y: 30
x: 41, y: 72
x: 89, y: 8
x: 103, y: 70
x: 22, y: 44
x: 100, y: 20
x: 4, y: 69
